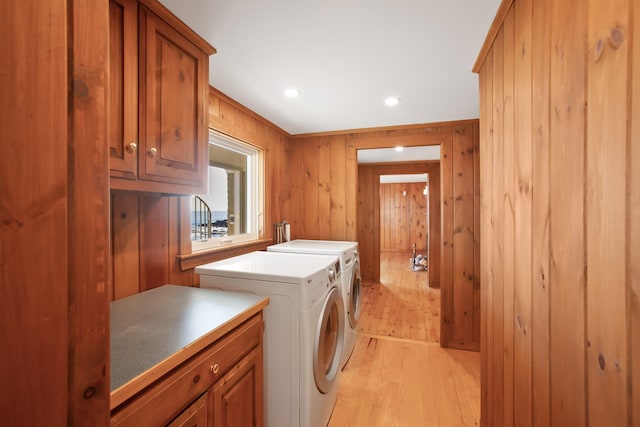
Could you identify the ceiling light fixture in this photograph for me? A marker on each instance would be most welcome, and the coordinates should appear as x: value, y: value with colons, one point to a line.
x: 391, y: 101
x: 292, y: 93
x: 399, y: 148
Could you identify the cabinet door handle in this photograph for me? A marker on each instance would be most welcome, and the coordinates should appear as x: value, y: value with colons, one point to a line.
x: 215, y: 368
x: 132, y: 147
x: 153, y: 151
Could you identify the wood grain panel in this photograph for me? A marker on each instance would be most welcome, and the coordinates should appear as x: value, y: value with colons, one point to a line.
x: 522, y: 215
x: 125, y: 244
x: 566, y: 232
x: 606, y: 151
x: 497, y: 393
x: 365, y: 221
x: 633, y: 204
x: 338, y: 188
x: 541, y: 49
x: 34, y: 321
x: 508, y: 187
x: 405, y: 224
x: 575, y: 214
x: 53, y: 222
x: 486, y: 243
x: 463, y: 232
x: 154, y: 242
x: 88, y: 204
x: 323, y: 157
x: 446, y: 247
x: 311, y: 189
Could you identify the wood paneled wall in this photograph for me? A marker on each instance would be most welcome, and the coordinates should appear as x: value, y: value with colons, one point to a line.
x: 403, y: 217
x: 148, y: 231
x: 370, y: 224
x: 54, y: 248
x: 560, y: 187
x: 323, y: 205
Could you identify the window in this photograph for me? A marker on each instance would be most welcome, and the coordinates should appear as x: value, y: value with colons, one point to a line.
x: 230, y: 211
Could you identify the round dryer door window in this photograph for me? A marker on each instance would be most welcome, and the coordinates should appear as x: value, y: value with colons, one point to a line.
x: 354, y: 296
x: 329, y: 341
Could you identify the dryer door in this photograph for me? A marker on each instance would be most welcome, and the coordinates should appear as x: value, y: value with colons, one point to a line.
x: 353, y: 307
x: 329, y: 341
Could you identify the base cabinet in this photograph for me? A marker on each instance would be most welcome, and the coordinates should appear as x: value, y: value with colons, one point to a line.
x: 221, y: 385
x: 237, y: 397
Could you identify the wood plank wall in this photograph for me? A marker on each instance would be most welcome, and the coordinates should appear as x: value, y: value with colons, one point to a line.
x: 371, y: 227
x: 560, y: 211
x: 323, y: 207
x: 403, y: 217
x: 54, y: 247
x: 148, y: 230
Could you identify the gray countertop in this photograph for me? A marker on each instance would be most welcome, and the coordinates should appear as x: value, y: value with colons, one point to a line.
x: 154, y: 331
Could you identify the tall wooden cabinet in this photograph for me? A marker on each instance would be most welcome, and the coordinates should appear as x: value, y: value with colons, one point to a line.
x: 159, y: 97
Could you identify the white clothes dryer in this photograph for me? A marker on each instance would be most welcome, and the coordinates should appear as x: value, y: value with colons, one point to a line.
x: 304, y: 329
x: 350, y: 265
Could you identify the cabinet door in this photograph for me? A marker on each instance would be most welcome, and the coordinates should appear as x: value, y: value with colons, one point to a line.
x: 123, y: 90
x: 173, y: 102
x: 194, y: 416
x: 238, y: 396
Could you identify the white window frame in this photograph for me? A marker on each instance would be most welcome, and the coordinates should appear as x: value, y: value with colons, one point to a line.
x: 255, y: 181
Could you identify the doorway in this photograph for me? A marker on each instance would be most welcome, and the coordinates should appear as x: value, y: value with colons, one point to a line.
x: 399, y: 301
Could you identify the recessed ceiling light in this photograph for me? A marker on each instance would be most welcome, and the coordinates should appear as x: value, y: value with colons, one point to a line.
x: 399, y: 148
x: 391, y: 101
x: 291, y: 93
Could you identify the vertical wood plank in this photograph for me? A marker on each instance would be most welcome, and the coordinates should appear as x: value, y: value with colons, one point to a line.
x: 434, y: 224
x: 566, y: 232
x: 295, y: 179
x: 463, y: 310
x: 351, y: 188
x: 34, y: 322
x: 497, y: 394
x: 324, y: 190
x: 176, y: 275
x: 125, y: 244
x: 486, y: 243
x: 365, y: 221
x: 633, y: 221
x: 154, y: 241
x: 541, y: 404
x: 476, y: 234
x: 523, y: 216
x: 88, y: 204
x: 338, y: 186
x: 608, y: 88
x: 508, y: 180
x: 446, y: 252
x: 310, y: 189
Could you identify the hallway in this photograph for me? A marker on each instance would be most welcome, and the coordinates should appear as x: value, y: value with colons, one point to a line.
x: 398, y: 375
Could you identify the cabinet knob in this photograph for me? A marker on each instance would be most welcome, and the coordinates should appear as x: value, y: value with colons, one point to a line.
x: 215, y: 368
x: 153, y: 151
x: 132, y: 147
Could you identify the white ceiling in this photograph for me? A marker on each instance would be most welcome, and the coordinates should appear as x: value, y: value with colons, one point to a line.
x: 346, y: 56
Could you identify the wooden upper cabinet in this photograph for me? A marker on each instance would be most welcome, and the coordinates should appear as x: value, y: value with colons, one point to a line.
x: 123, y: 105
x: 159, y: 96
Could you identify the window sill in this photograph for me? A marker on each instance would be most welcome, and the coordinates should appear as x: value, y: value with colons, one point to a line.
x: 191, y: 261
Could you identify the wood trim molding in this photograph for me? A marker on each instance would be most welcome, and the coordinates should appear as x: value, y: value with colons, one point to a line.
x: 216, y: 92
x: 168, y: 16
x: 384, y: 128
x: 191, y: 261
x: 501, y: 14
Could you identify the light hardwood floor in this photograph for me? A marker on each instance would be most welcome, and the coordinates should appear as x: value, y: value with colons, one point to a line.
x: 398, y: 375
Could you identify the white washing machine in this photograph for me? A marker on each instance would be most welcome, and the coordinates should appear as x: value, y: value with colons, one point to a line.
x: 304, y: 327
x: 350, y: 265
